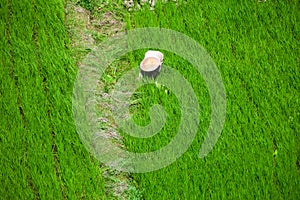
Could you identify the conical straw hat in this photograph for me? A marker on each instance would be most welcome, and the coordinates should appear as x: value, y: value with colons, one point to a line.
x: 155, y: 54
x: 150, y: 64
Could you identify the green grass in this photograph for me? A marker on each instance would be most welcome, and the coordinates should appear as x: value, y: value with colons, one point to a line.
x: 256, y: 47
x: 41, y: 154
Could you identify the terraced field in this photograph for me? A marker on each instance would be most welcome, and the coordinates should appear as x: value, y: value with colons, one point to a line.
x: 255, y: 46
x: 41, y: 154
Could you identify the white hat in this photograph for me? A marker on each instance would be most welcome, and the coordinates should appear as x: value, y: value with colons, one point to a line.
x: 150, y: 64
x: 155, y: 54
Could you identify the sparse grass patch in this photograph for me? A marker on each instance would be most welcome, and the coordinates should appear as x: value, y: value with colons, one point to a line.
x: 87, y: 28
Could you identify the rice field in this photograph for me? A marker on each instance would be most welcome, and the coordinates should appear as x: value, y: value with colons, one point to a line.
x: 41, y: 154
x: 255, y: 46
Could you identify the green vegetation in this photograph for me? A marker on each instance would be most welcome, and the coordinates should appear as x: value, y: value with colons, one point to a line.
x: 41, y: 154
x: 256, y: 48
